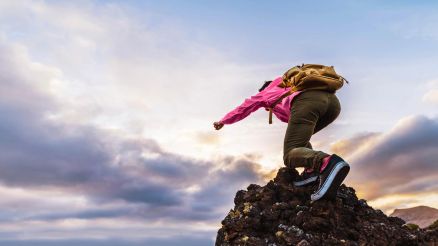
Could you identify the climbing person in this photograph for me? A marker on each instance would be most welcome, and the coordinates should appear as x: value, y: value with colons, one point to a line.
x: 304, y: 98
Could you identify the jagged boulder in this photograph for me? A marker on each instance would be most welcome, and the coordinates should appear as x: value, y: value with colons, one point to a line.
x: 280, y: 214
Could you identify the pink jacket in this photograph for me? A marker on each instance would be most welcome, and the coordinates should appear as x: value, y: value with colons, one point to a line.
x: 264, y: 98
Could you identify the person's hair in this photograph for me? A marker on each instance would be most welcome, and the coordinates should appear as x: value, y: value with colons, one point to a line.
x: 265, y: 85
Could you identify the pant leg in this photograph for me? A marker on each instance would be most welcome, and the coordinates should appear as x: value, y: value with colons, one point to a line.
x: 310, y: 112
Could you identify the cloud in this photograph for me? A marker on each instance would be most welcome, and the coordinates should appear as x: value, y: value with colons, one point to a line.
x: 401, y: 161
x: 348, y: 147
x: 209, y: 138
x: 201, y: 239
x: 389, y: 202
x: 119, y: 231
x: 431, y: 96
x: 87, y: 214
x: 50, y: 166
x: 122, y: 70
x: 40, y: 154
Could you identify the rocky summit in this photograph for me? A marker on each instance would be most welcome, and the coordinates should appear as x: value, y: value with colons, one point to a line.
x: 281, y: 214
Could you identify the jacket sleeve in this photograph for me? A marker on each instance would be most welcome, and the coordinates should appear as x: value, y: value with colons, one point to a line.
x: 246, y: 108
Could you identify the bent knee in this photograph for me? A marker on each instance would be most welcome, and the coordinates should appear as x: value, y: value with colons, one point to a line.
x: 290, y: 156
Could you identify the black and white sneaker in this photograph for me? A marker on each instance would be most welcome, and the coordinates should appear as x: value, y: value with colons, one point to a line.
x: 331, y: 178
x: 306, y: 178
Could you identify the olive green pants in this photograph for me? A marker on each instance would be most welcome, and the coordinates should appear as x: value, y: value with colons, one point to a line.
x: 311, y: 111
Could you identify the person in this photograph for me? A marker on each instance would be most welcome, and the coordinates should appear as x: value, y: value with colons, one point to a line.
x: 306, y: 113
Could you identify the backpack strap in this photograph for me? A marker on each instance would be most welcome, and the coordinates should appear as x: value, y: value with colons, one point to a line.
x: 270, y: 115
x: 345, y: 80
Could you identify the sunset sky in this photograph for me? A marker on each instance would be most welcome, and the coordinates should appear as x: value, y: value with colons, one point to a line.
x: 106, y: 111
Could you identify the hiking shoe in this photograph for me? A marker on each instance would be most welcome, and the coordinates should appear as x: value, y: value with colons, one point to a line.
x: 331, y: 178
x: 306, y: 178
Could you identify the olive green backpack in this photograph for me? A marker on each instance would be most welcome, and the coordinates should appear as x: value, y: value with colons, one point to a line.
x: 309, y: 77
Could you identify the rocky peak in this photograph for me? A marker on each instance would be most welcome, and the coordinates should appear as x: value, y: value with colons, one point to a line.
x: 280, y: 214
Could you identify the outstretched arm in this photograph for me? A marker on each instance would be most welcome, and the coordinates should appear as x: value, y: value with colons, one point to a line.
x: 250, y: 105
x: 242, y: 111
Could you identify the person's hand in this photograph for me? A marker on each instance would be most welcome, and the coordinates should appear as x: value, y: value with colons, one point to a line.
x: 218, y: 125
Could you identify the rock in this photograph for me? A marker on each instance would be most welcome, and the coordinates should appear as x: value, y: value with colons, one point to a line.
x: 280, y: 214
x: 412, y: 227
x: 303, y: 243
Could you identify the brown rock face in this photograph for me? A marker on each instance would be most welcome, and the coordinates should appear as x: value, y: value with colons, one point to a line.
x: 280, y: 214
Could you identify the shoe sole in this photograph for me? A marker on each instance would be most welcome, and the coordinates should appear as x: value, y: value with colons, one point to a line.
x: 306, y: 181
x: 332, y: 183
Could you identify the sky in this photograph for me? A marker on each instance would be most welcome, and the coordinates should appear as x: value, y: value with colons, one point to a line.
x: 106, y: 111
